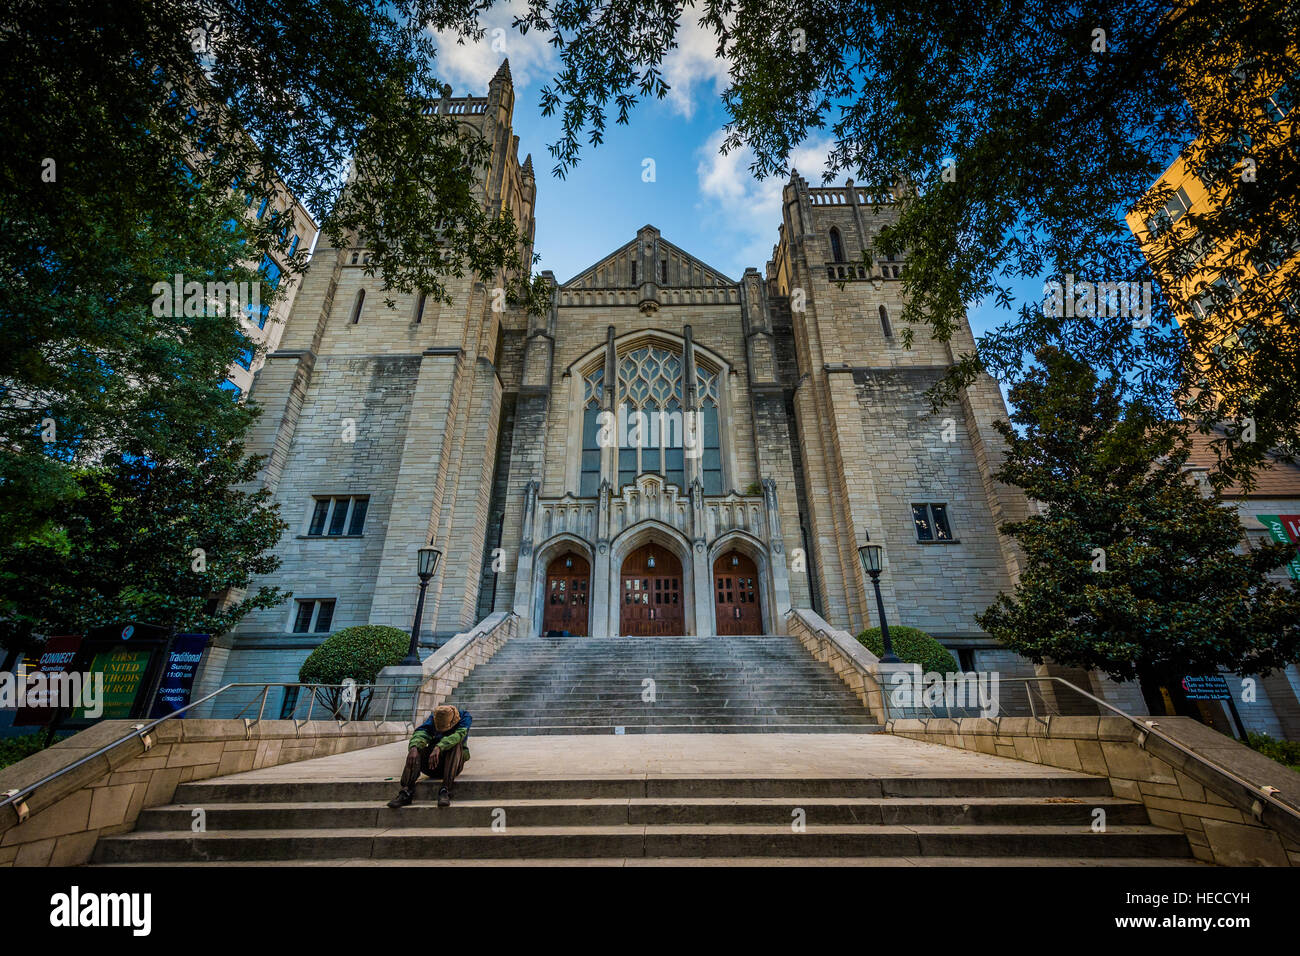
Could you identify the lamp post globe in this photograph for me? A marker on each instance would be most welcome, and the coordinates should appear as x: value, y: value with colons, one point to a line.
x: 426, y: 563
x: 870, y: 555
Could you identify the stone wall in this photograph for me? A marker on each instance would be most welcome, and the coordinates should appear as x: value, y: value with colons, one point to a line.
x: 105, y: 795
x: 911, y: 456
x: 1241, y: 810
x: 851, y: 662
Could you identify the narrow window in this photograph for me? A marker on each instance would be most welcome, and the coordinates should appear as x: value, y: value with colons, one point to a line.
x: 356, y: 306
x: 921, y: 518
x: 358, y: 522
x: 340, y: 516
x: 712, y: 458
x: 302, y: 620
x: 931, y: 521
x: 942, y: 532
x: 419, y: 309
x: 663, y: 271
x: 837, y: 246
x: 589, y: 478
x: 884, y: 322
x: 318, y: 517
x: 290, y: 703
x: 634, y: 272
x: 324, y: 617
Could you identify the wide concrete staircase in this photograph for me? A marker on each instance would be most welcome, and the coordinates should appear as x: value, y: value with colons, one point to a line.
x: 958, y: 808
x: 585, y: 685
x: 936, y: 820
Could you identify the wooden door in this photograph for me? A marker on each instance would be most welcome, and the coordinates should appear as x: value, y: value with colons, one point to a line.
x: 651, y: 593
x: 735, y: 595
x: 568, y: 580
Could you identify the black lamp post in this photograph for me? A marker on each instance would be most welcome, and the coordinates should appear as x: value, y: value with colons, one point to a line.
x: 870, y: 555
x: 427, y: 563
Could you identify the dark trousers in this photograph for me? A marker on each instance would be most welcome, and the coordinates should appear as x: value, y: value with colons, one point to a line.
x: 417, y: 762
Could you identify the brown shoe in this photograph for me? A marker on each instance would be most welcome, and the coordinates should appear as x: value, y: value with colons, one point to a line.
x: 444, y: 797
x: 403, y: 797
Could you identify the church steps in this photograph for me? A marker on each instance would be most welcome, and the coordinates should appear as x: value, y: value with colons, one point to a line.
x: 637, y: 840
x: 610, y: 811
x: 723, y: 684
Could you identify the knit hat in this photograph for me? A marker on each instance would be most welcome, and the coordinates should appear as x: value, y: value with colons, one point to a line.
x: 445, y: 717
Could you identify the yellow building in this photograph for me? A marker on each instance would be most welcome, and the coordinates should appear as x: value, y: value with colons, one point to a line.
x: 1222, y: 282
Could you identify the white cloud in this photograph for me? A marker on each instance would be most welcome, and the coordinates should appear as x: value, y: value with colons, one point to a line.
x: 470, y: 66
x: 693, y: 64
x: 748, y: 210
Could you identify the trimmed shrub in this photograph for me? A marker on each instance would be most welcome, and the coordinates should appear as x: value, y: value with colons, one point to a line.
x: 912, y: 646
x: 14, y: 749
x: 1285, y: 752
x: 360, y: 653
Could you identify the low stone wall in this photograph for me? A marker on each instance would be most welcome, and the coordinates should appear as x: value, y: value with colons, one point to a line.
x: 105, y: 795
x: 851, y: 662
x: 1225, y: 811
x: 442, y: 671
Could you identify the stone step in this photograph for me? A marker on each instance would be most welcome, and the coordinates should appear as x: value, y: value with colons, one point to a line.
x: 772, y: 811
x: 714, y: 861
x: 757, y: 727
x: 642, y: 841
x: 725, y: 707
x: 561, y: 718
x: 632, y: 696
x: 207, y: 793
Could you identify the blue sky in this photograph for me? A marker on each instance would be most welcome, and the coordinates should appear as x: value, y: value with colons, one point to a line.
x: 705, y: 203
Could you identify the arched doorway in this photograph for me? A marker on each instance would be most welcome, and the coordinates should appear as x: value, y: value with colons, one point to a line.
x: 650, y: 596
x: 566, y: 595
x: 735, y: 595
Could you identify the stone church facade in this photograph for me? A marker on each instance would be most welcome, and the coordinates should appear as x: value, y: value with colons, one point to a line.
x: 782, y: 425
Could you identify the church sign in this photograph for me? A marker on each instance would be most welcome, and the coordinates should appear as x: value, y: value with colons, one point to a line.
x: 1285, y: 529
x: 178, y: 678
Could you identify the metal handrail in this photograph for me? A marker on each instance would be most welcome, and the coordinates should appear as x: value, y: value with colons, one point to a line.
x: 1149, y: 727
x: 425, y: 679
x: 16, y: 797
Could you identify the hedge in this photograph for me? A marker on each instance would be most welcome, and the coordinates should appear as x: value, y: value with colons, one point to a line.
x: 912, y: 646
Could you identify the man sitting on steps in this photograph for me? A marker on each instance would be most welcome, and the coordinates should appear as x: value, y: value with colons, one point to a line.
x: 441, y: 741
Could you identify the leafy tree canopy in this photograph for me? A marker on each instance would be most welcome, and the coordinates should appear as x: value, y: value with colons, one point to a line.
x: 1021, y: 132
x: 1129, y: 567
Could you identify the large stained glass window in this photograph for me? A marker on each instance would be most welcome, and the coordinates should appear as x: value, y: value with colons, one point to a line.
x: 649, y: 403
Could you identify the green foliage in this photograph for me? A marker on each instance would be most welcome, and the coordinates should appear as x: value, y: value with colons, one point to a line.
x: 1285, y: 752
x: 1129, y: 568
x: 144, y: 540
x: 126, y: 125
x: 14, y: 749
x: 1045, y: 131
x: 912, y: 646
x: 359, y: 652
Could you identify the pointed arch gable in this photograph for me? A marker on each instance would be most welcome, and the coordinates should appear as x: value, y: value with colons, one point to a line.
x: 594, y: 358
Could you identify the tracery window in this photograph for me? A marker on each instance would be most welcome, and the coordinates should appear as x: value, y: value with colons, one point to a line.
x: 650, y: 425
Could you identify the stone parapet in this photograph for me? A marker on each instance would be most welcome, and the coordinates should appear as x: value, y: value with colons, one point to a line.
x: 1236, y: 806
x: 111, y: 773
x: 851, y: 662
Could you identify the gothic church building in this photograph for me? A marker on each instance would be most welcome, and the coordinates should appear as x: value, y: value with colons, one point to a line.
x: 479, y: 432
